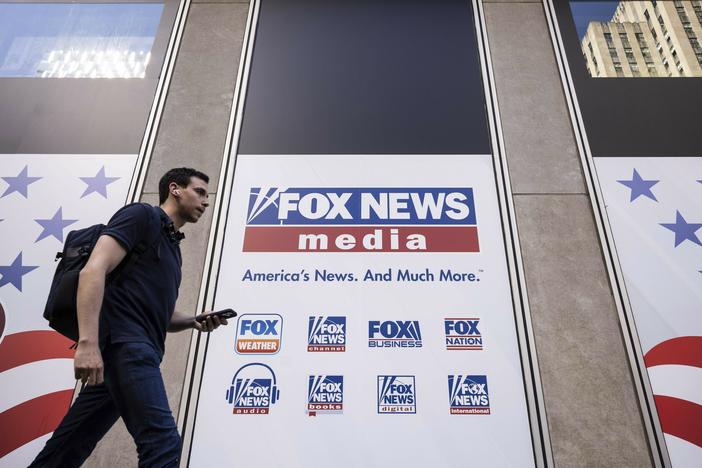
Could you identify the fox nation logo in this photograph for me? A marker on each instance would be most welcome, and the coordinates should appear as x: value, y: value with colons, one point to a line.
x: 318, y: 219
x: 396, y: 394
x: 394, y: 334
x: 326, y: 334
x: 468, y: 394
x: 462, y: 333
x: 253, y: 389
x: 325, y: 394
x: 259, y: 333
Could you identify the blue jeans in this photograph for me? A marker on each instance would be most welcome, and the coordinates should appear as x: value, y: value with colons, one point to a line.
x: 133, y: 389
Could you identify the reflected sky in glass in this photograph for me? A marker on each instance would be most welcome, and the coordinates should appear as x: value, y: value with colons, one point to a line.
x: 585, y: 12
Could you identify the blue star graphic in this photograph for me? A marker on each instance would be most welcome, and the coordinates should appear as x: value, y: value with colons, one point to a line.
x: 19, y: 183
x: 54, y: 226
x: 98, y: 183
x: 683, y: 230
x: 639, y: 186
x: 12, y: 274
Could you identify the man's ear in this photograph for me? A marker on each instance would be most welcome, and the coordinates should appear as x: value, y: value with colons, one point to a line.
x: 174, y: 189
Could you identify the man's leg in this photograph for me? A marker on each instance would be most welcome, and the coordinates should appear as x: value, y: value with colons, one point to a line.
x: 86, y: 422
x: 135, y: 382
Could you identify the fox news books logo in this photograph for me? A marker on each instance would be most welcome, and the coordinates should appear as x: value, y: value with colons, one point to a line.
x: 259, y: 333
x: 394, y: 334
x: 253, y: 389
x: 468, y: 394
x: 396, y: 394
x: 326, y: 334
x: 318, y: 219
x: 462, y: 333
x: 325, y: 394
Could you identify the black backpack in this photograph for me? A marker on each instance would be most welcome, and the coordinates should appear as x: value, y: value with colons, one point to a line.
x: 60, y: 308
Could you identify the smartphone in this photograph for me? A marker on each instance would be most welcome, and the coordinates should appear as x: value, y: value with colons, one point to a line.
x: 224, y: 313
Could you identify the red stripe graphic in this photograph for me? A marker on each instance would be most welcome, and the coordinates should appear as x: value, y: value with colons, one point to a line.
x: 31, y: 419
x: 30, y: 346
x: 683, y: 350
x: 680, y: 418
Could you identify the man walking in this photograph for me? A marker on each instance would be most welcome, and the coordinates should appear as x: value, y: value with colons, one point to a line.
x: 123, y: 328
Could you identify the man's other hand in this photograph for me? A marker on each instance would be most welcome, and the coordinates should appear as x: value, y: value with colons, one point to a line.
x: 208, y: 322
x: 87, y: 364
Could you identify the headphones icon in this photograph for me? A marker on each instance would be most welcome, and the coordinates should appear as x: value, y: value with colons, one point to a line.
x: 231, y: 393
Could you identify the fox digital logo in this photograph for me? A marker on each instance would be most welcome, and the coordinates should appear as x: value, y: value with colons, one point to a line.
x: 394, y: 334
x: 462, y: 333
x: 259, y: 333
x: 396, y: 394
x: 326, y: 334
x: 468, y: 394
x: 253, y: 389
x: 325, y: 394
x: 361, y: 220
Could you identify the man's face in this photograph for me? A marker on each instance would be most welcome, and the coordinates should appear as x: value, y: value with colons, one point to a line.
x: 193, y: 200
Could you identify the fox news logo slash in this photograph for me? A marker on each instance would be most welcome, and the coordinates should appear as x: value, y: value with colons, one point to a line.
x: 396, y: 394
x: 325, y: 394
x: 394, y: 334
x: 326, y: 334
x: 259, y: 333
x: 253, y: 389
x: 361, y: 220
x: 468, y: 394
x: 462, y: 333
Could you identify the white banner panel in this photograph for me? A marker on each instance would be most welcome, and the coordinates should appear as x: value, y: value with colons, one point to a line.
x: 376, y: 322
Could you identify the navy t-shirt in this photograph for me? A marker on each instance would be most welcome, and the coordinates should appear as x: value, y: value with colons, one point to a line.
x: 138, y: 307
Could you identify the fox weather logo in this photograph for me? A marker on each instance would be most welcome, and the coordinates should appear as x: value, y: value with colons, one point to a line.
x: 325, y: 394
x: 253, y: 389
x: 326, y: 334
x: 462, y: 333
x: 396, y: 394
x: 394, y: 334
x: 468, y: 394
x: 259, y: 333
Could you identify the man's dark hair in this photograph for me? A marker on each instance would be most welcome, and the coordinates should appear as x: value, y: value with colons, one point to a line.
x: 179, y: 175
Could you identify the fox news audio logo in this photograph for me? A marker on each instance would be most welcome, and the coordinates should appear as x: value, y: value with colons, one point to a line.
x: 317, y: 219
x: 253, y: 389
x: 396, y: 394
x: 326, y: 334
x: 462, y: 333
x: 394, y: 334
x: 325, y: 394
x: 468, y: 394
x: 259, y: 333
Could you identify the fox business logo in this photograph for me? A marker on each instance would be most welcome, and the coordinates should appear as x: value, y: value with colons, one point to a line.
x: 462, y: 334
x: 325, y: 394
x: 468, y: 394
x: 321, y: 219
x: 396, y: 394
x: 253, y: 389
x: 394, y: 334
x: 259, y: 333
x: 326, y: 334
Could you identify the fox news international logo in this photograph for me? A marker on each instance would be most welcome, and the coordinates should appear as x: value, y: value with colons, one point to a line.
x: 468, y: 394
x: 462, y: 333
x: 326, y: 334
x: 318, y: 219
x: 259, y: 333
x: 396, y: 394
x: 253, y: 389
x: 325, y: 394
x: 394, y: 334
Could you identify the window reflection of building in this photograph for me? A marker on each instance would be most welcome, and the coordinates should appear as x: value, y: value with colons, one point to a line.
x: 646, y: 38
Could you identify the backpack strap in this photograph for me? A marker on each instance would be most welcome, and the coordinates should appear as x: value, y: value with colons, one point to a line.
x: 153, y: 231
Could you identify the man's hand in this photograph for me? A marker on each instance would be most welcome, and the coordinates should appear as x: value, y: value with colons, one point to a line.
x: 87, y: 364
x: 208, y: 322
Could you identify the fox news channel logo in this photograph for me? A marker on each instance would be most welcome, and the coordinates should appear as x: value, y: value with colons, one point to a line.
x: 253, y: 390
x: 462, y: 333
x: 468, y: 394
x: 326, y: 334
x: 325, y: 394
x: 259, y: 333
x: 318, y: 219
x: 396, y: 394
x: 394, y: 334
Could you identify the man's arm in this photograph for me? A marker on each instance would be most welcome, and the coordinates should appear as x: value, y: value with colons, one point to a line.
x: 107, y: 254
x: 181, y: 321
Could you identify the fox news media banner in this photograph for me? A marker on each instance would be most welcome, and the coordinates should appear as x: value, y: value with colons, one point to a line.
x: 654, y: 210
x: 42, y: 198
x: 375, y: 323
